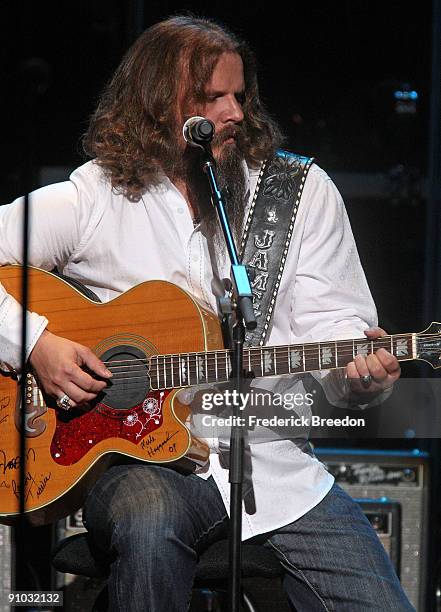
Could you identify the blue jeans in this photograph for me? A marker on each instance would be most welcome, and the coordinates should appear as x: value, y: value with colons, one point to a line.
x: 151, y: 523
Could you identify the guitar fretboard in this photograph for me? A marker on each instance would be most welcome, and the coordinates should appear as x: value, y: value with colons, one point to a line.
x: 186, y: 369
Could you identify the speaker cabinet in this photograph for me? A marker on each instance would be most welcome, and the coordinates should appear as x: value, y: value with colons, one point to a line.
x: 392, y: 488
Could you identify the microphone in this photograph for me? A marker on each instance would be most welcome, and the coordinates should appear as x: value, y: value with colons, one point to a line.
x: 198, y: 131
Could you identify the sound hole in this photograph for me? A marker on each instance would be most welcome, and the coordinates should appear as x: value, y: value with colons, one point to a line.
x: 130, y: 383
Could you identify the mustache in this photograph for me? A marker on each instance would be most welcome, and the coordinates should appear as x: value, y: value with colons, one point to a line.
x: 227, y: 133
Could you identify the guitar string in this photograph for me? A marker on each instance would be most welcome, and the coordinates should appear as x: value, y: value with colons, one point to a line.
x: 194, y: 377
x: 211, y: 373
x: 194, y: 366
x: 313, y: 346
x: 158, y: 361
x: 213, y: 364
x: 254, y: 353
x: 201, y: 372
x: 139, y: 385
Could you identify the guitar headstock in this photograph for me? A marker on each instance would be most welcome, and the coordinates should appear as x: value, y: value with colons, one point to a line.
x: 429, y: 345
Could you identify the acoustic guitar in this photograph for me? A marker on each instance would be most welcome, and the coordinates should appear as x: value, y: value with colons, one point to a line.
x: 156, y: 339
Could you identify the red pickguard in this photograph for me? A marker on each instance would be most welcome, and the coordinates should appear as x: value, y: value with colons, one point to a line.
x: 74, y: 437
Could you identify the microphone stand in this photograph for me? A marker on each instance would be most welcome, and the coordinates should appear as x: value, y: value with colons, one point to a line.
x: 33, y: 84
x: 244, y: 318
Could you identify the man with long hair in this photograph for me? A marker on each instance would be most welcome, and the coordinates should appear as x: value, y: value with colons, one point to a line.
x: 140, y: 210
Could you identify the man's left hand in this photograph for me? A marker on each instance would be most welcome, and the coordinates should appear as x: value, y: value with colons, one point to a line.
x: 370, y: 375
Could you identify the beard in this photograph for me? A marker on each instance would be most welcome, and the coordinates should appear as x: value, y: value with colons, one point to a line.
x: 232, y: 183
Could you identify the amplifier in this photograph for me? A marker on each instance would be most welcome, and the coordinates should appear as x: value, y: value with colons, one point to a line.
x: 398, y: 482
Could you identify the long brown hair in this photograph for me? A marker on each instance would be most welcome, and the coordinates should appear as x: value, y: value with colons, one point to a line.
x: 133, y: 132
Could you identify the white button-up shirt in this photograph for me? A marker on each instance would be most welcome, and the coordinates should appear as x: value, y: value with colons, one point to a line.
x: 111, y: 244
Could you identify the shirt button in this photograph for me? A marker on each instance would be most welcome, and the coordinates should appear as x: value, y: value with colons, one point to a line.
x: 180, y: 211
x: 195, y: 258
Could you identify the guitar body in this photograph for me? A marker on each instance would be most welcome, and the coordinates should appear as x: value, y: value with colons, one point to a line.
x: 67, y: 450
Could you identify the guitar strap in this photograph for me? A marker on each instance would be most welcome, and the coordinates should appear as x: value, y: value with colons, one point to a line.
x: 268, y: 231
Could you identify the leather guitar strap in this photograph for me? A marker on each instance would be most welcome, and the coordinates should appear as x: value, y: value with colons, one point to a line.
x: 268, y: 231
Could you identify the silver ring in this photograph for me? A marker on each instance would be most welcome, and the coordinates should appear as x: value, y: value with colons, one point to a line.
x: 366, y: 380
x: 64, y: 402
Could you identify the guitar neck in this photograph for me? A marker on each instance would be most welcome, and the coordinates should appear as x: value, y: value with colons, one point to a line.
x: 187, y: 369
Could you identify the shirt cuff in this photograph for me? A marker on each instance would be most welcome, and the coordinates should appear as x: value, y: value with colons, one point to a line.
x: 10, y: 333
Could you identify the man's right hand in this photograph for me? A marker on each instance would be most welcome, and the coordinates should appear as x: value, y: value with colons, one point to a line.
x: 57, y: 363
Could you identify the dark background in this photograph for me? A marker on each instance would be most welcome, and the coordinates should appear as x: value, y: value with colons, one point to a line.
x: 327, y: 72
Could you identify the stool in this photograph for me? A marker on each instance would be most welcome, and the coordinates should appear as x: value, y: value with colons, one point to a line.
x: 75, y: 555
